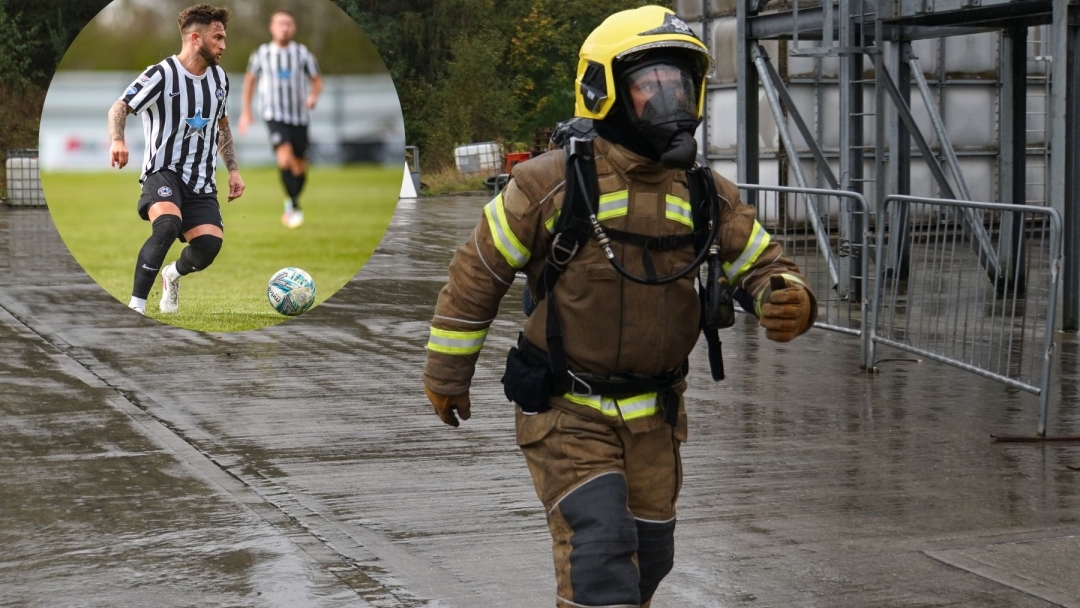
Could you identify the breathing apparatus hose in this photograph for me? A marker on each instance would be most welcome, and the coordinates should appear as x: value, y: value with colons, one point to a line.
x: 605, y: 243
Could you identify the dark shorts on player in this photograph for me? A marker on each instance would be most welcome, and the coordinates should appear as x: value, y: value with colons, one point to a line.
x: 195, y: 209
x: 284, y: 133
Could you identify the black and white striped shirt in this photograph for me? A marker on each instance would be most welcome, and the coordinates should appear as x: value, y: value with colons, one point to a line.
x: 284, y: 74
x: 180, y: 114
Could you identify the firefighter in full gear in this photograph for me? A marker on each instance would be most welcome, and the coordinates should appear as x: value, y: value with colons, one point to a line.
x: 598, y: 373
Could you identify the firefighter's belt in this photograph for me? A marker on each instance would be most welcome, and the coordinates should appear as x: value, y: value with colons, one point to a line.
x: 615, y: 386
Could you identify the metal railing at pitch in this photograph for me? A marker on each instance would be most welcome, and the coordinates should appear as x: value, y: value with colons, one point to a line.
x: 824, y: 232
x: 935, y: 299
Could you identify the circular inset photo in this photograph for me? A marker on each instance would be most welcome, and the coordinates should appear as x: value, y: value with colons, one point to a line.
x: 189, y: 153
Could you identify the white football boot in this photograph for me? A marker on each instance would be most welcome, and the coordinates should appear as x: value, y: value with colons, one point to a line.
x: 138, y: 305
x: 296, y: 218
x: 170, y: 289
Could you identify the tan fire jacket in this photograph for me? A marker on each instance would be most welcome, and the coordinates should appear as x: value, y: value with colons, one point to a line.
x: 610, y: 324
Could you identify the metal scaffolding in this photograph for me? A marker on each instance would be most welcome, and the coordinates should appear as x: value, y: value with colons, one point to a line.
x: 872, y: 41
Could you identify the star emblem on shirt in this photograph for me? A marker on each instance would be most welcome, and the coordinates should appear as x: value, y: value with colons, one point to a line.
x: 196, y: 124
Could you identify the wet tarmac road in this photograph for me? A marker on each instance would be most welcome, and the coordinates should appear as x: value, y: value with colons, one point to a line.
x: 299, y: 465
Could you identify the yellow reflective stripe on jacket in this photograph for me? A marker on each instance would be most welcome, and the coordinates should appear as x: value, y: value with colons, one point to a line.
x: 758, y: 241
x: 505, y: 241
x: 612, y: 204
x: 550, y: 223
x: 616, y: 204
x: 637, y: 406
x: 678, y: 210
x: 456, y: 342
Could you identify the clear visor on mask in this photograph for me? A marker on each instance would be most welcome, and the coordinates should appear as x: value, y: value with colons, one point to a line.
x: 660, y: 92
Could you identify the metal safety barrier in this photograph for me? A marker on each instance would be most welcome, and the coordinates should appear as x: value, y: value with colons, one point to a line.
x: 934, y: 298
x: 824, y: 232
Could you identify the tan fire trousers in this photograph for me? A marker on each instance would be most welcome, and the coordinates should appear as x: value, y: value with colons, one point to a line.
x: 610, y: 500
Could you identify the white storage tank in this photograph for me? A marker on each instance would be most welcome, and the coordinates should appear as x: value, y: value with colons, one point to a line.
x: 24, y: 182
x: 479, y: 158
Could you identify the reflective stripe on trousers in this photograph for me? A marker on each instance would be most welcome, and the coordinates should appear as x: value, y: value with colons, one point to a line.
x: 636, y: 406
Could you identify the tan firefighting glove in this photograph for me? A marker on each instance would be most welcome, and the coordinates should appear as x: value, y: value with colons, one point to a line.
x: 785, y: 309
x: 446, y: 404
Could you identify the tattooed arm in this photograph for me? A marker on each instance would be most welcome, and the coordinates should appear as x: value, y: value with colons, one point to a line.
x: 228, y: 156
x: 118, y: 152
x: 225, y: 145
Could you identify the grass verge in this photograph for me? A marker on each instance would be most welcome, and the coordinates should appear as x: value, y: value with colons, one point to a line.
x: 451, y: 181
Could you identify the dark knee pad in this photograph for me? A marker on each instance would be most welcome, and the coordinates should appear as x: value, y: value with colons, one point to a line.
x: 164, y: 231
x: 656, y: 554
x: 199, y: 254
x: 602, y: 571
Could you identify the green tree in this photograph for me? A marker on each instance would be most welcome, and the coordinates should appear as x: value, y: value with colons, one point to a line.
x: 33, y: 37
x: 543, y: 55
x: 474, y: 70
x: 447, y: 58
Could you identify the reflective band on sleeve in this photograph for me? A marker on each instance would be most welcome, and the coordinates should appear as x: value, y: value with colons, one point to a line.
x: 678, y: 210
x: 758, y: 241
x: 612, y: 204
x: 456, y: 342
x: 787, y: 277
x: 793, y: 278
x: 505, y: 241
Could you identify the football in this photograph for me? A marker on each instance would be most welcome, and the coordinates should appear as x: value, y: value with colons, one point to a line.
x: 291, y: 291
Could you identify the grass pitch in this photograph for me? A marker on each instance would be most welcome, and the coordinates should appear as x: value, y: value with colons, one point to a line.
x: 346, y: 212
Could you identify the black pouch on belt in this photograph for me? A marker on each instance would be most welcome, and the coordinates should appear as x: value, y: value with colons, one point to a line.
x: 527, y: 382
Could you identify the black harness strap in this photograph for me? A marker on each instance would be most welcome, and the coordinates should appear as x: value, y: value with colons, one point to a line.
x: 649, y: 244
x: 702, y: 190
x: 572, y: 228
x: 653, y: 243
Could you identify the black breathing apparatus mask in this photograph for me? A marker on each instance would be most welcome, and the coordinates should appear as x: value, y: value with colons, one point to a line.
x: 661, y: 101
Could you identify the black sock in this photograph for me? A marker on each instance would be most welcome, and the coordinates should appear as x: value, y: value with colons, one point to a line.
x: 300, y: 180
x: 165, y: 230
x: 291, y: 187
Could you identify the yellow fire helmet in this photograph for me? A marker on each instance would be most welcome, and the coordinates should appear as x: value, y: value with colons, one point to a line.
x: 625, y: 33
